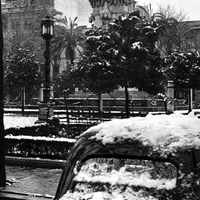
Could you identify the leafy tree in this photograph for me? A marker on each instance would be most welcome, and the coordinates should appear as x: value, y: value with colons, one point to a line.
x: 123, y: 55
x: 2, y: 139
x: 96, y: 69
x: 69, y: 37
x: 65, y: 81
x: 183, y: 69
x: 139, y: 58
x: 22, y: 71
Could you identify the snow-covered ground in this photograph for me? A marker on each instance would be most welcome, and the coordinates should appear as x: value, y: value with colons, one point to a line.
x: 16, y: 120
x: 12, y: 120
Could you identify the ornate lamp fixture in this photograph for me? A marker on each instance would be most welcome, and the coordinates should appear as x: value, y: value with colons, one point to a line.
x: 47, y: 32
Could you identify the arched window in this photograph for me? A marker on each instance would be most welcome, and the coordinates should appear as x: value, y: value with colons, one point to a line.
x: 13, y: 25
x: 26, y: 25
x: 18, y: 24
x: 5, y: 26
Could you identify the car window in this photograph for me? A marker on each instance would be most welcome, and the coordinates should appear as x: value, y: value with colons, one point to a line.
x: 112, y: 176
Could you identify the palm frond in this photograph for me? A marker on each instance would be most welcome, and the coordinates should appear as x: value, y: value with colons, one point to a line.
x: 68, y: 36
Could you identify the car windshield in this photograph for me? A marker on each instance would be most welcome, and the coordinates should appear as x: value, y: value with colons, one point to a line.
x: 117, y: 177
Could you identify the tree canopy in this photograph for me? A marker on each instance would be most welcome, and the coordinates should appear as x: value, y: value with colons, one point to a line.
x: 22, y: 71
x: 65, y: 81
x: 124, y: 54
x: 97, y: 69
x: 184, y: 69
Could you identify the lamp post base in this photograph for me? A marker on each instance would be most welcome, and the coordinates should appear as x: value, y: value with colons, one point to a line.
x: 45, y: 112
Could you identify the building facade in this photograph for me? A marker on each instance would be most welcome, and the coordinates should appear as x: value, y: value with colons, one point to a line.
x: 21, y: 22
x: 106, y: 10
x: 23, y: 13
x: 21, y: 26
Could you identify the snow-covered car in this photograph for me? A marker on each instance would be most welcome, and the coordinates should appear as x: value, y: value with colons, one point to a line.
x: 152, y: 157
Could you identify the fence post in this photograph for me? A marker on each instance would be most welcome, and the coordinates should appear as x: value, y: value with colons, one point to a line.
x: 66, y: 107
x: 170, y: 97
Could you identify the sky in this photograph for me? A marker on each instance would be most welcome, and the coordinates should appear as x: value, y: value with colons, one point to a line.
x: 75, y: 8
x: 82, y: 8
x: 190, y: 7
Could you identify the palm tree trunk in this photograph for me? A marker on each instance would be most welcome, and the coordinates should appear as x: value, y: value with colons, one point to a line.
x: 2, y: 139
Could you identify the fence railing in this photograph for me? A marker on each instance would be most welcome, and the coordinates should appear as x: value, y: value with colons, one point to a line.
x: 93, y: 117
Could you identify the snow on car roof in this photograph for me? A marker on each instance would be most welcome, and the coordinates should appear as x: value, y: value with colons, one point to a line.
x: 163, y: 132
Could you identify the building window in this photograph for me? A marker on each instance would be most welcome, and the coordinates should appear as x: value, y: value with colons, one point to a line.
x: 26, y: 25
x: 13, y: 25
x: 5, y: 26
x: 18, y: 25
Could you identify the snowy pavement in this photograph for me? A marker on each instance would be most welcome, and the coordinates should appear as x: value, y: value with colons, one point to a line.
x: 13, y: 120
x: 16, y: 120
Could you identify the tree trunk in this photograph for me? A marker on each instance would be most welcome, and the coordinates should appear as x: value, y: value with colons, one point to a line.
x: 127, y: 102
x: 100, y: 105
x: 23, y: 99
x: 190, y: 100
x: 2, y: 139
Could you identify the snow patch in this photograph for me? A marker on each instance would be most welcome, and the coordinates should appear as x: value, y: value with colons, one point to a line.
x: 41, y: 138
x: 94, y: 174
x: 17, y: 121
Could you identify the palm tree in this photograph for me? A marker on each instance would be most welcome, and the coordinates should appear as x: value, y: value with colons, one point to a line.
x: 162, y: 20
x: 175, y: 30
x: 172, y: 27
x: 2, y: 140
x: 149, y: 15
x: 69, y: 37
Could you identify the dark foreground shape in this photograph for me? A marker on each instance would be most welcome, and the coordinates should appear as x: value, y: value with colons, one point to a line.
x: 18, y: 196
x: 152, y: 157
x: 35, y: 162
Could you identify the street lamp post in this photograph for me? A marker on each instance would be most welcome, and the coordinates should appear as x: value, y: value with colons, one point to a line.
x: 47, y: 31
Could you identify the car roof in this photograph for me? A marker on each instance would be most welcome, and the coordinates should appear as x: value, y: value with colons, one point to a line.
x: 167, y: 138
x: 163, y: 134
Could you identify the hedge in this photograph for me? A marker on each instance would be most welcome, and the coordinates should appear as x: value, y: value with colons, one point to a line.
x: 35, y: 146
x: 50, y: 140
